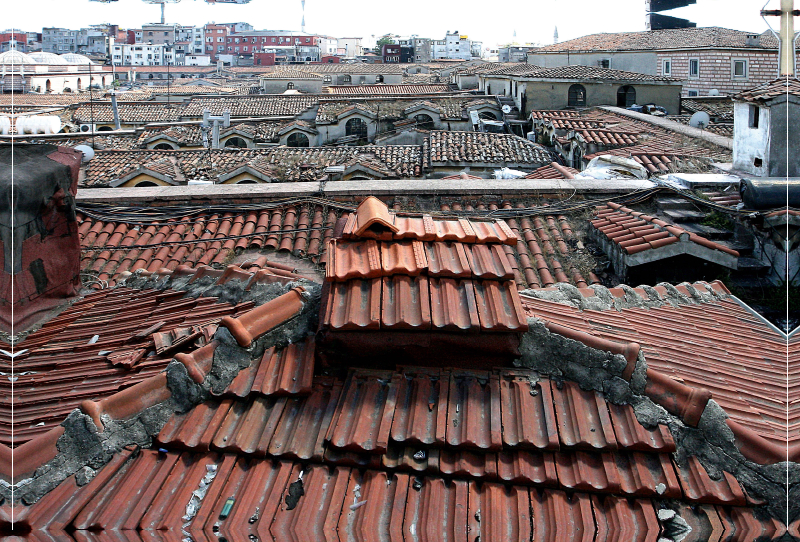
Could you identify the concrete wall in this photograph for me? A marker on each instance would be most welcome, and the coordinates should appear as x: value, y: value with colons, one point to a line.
x: 555, y: 95
x: 313, y: 139
x: 750, y: 143
x: 278, y: 86
x: 779, y: 144
x: 640, y: 62
x: 332, y: 132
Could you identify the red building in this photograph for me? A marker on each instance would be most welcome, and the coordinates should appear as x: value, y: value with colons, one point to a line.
x: 263, y: 59
x: 216, y: 36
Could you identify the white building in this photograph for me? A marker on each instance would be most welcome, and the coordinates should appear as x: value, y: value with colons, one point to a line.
x: 328, y: 46
x: 457, y: 46
x: 352, y: 47
x: 141, y: 54
x: 198, y: 60
x: 50, y: 73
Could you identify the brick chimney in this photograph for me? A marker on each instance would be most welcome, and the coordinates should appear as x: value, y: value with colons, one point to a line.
x: 39, y: 245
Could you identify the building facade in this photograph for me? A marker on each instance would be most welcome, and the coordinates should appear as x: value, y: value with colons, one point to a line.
x: 59, y: 40
x: 708, y: 59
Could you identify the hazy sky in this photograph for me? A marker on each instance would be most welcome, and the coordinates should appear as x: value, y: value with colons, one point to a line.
x: 533, y: 20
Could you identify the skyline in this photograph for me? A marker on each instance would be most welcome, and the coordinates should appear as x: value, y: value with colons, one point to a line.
x: 329, y: 18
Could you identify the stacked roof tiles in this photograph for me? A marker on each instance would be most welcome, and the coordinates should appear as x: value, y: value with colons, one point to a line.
x: 389, y: 271
x: 633, y: 232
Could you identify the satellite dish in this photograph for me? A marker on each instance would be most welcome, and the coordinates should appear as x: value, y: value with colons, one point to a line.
x: 88, y: 152
x: 713, y: 92
x: 700, y: 120
x: 506, y: 109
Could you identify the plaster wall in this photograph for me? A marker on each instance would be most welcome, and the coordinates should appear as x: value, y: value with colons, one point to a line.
x: 279, y: 86
x: 750, y: 144
x: 783, y: 149
x: 632, y: 61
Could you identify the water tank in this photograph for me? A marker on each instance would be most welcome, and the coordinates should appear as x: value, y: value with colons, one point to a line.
x: 40, y: 124
x: 763, y: 194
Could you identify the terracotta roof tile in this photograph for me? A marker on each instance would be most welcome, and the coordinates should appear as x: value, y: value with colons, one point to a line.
x: 379, y: 90
x: 474, y: 147
x: 634, y: 232
x: 679, y: 38
x: 768, y: 91
x: 732, y: 364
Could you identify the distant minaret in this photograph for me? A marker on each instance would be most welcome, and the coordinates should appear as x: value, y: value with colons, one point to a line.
x: 555, y: 36
x: 303, y: 23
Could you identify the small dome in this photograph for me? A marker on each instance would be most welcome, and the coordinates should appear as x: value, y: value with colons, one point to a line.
x: 47, y: 58
x: 75, y: 58
x: 16, y: 58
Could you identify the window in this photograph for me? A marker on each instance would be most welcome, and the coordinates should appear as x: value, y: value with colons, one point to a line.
x: 739, y: 69
x: 626, y: 96
x: 379, y: 79
x: 297, y: 139
x: 236, y: 142
x: 327, y: 78
x: 576, y: 96
x: 424, y: 121
x: 755, y: 114
x: 692, y: 93
x: 289, y: 85
x: 347, y: 79
x: 666, y: 67
x: 604, y: 63
x: 694, y: 67
x: 356, y: 127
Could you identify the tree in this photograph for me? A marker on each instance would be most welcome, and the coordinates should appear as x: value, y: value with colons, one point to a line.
x: 386, y: 39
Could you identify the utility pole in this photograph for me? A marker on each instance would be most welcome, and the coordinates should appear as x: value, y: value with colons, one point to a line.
x: 225, y: 119
x: 787, y: 36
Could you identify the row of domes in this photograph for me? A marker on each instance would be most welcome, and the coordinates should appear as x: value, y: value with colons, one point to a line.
x: 14, y: 57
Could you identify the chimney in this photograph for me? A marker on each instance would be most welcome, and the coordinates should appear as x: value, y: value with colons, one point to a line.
x: 39, y: 241
x: 753, y: 40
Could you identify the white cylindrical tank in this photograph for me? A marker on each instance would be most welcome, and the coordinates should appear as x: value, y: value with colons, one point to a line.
x: 20, y: 124
x: 41, y: 124
x: 5, y: 125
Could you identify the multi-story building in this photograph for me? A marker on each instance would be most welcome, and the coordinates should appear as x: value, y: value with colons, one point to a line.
x: 215, y: 36
x: 350, y: 47
x: 328, y: 46
x: 423, y: 51
x: 158, y: 33
x: 14, y: 39
x: 142, y: 54
x: 390, y: 53
x: 297, y: 46
x: 513, y: 53
x: 457, y: 46
x: 59, y: 40
x: 712, y: 58
x: 94, y: 39
x: 198, y: 41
